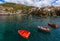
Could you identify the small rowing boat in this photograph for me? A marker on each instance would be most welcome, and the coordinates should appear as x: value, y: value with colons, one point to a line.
x: 44, y: 28
x: 53, y: 25
x: 24, y: 33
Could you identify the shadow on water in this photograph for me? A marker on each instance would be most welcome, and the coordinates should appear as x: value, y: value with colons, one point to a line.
x: 40, y: 31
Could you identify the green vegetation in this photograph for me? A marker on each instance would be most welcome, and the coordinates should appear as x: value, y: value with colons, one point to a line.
x: 44, y: 11
x: 16, y: 6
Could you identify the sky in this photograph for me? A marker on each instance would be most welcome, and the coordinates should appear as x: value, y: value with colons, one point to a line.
x: 37, y: 3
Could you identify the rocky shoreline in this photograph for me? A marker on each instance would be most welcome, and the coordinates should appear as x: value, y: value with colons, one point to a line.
x: 12, y: 9
x: 45, y: 11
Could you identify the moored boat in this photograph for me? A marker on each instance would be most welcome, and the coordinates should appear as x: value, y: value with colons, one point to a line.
x: 53, y: 25
x: 24, y: 33
x: 44, y: 28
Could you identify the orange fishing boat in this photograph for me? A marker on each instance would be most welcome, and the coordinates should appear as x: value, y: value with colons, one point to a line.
x: 53, y: 25
x: 24, y: 33
x: 44, y: 28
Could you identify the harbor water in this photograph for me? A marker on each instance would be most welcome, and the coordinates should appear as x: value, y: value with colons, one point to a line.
x: 9, y: 26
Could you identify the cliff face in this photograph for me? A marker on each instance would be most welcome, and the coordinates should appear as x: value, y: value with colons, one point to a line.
x: 22, y: 9
x: 46, y: 11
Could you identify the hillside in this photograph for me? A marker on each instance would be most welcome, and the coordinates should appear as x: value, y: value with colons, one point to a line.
x: 46, y: 11
x: 22, y: 9
x: 12, y: 7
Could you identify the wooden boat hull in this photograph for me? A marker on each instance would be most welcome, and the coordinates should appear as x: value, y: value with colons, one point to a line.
x: 53, y: 25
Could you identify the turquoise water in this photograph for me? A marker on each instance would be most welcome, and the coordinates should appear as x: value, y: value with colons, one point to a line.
x: 9, y: 25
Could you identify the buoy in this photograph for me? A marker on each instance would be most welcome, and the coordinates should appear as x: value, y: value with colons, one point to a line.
x: 24, y: 33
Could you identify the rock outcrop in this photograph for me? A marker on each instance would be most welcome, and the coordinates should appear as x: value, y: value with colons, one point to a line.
x: 46, y: 11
